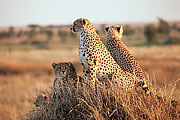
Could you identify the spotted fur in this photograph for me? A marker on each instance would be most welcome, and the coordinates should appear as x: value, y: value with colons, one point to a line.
x: 64, y: 70
x: 121, y: 54
x: 96, y: 59
x: 41, y: 100
x: 65, y: 73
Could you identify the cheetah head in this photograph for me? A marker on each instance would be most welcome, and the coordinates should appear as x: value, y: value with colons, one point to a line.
x: 79, y: 24
x: 41, y: 100
x: 64, y: 69
x: 115, y: 30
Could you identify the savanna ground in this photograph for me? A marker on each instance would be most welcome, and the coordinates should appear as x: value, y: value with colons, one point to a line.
x: 25, y: 69
x: 27, y: 72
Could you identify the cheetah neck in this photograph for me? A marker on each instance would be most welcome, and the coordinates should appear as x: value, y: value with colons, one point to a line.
x: 113, y: 38
x: 87, y: 36
x: 116, y: 40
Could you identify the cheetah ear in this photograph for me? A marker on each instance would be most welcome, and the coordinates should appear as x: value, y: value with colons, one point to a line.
x: 54, y: 65
x: 69, y: 63
x: 106, y: 28
x: 71, y: 66
x: 83, y: 21
x: 44, y: 96
x: 120, y: 30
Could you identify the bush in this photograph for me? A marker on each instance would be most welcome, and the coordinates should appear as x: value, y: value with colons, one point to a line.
x: 32, y: 33
x: 11, y: 31
x: 20, y: 33
x: 80, y: 102
x: 49, y: 34
x: 128, y: 30
x: 173, y: 40
x: 63, y: 35
x: 4, y: 34
x: 34, y: 26
x: 7, y: 34
x: 163, y: 27
x: 150, y: 33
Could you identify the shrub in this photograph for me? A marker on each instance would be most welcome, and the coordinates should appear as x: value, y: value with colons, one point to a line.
x: 150, y: 33
x: 163, y: 27
x: 80, y: 102
x: 49, y: 34
x: 32, y: 33
x: 63, y: 35
x: 20, y: 33
x: 11, y: 31
x: 173, y: 40
x: 128, y: 30
x: 4, y: 34
x: 7, y: 34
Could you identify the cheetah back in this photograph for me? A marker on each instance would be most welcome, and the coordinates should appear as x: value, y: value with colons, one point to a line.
x: 120, y: 52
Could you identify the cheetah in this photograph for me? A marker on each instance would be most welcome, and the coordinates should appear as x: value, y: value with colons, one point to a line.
x: 121, y: 55
x: 64, y: 70
x: 41, y: 100
x: 65, y: 73
x: 96, y: 60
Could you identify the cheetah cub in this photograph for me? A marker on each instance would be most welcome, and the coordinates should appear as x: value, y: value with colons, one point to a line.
x: 41, y: 101
x: 96, y: 59
x: 121, y: 54
x: 64, y: 73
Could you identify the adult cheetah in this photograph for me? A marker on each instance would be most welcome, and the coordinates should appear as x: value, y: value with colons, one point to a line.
x: 121, y: 55
x: 96, y: 60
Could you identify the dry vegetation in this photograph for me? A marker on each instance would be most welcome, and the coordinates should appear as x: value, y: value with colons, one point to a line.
x: 24, y: 74
x: 26, y: 55
x: 81, y: 102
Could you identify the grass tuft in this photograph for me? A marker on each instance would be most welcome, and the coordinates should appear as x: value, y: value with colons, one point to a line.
x: 78, y: 101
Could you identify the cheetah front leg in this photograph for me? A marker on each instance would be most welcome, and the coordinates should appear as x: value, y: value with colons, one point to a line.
x: 93, y: 76
x: 86, y: 74
x: 93, y: 70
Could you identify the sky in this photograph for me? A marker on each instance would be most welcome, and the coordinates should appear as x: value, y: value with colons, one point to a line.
x: 49, y: 12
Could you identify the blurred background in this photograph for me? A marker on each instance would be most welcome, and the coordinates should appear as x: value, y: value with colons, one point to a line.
x: 34, y: 34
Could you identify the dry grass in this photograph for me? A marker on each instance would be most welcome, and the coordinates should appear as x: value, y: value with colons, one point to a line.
x: 80, y: 102
x: 24, y: 73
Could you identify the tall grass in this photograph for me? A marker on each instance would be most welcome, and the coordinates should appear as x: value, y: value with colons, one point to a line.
x: 24, y: 72
x: 78, y: 101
